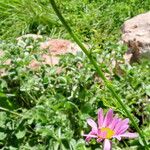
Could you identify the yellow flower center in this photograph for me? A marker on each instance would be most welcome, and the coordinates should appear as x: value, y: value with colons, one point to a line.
x: 108, y: 131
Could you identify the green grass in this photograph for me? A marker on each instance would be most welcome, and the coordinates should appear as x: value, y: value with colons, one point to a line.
x: 24, y: 16
x: 52, y: 108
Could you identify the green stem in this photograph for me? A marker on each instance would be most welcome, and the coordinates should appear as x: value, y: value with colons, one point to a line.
x: 99, y: 71
x: 11, y: 112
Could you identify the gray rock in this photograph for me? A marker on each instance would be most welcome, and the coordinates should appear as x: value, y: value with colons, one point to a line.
x: 136, y: 34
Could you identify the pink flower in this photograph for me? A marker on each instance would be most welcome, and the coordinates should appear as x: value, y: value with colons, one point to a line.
x: 108, y: 127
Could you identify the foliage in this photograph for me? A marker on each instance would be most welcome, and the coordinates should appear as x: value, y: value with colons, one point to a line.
x: 90, y: 19
x: 25, y: 16
x: 48, y: 107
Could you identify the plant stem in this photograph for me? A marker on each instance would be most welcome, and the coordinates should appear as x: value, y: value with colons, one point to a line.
x: 99, y: 71
x: 11, y: 112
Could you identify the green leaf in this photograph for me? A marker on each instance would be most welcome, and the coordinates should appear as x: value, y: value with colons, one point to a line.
x: 2, y: 135
x: 20, y: 134
x: 147, y: 90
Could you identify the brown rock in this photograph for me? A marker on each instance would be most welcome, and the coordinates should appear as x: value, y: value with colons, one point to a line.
x: 60, y: 46
x: 136, y: 34
x: 7, y: 62
x: 50, y: 60
x: 34, y: 65
x: 57, y: 47
x: 1, y: 53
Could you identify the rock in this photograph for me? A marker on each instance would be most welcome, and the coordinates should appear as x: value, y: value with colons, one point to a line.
x: 50, y: 60
x: 53, y: 49
x: 60, y: 47
x: 136, y: 34
x: 127, y: 57
x: 1, y: 53
x: 35, y: 65
x: 6, y: 62
x: 57, y: 47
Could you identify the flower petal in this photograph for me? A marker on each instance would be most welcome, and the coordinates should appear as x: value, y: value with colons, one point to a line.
x: 100, y: 117
x: 125, y: 121
x: 129, y: 135
x: 122, y: 129
x: 92, y: 123
x: 103, y: 134
x: 108, y: 118
x: 117, y: 137
x: 89, y: 136
x: 118, y: 125
x: 107, y: 145
x: 113, y: 123
x: 122, y: 126
x: 99, y: 140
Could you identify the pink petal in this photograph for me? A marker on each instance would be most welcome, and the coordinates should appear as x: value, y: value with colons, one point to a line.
x: 122, y: 129
x: 99, y: 140
x: 92, y: 124
x: 98, y: 132
x: 103, y: 134
x: 89, y: 136
x: 113, y: 123
x: 122, y: 126
x: 125, y: 121
x: 107, y: 145
x: 108, y: 118
x: 117, y: 137
x: 100, y: 117
x: 126, y: 135
x: 118, y: 125
x: 129, y: 135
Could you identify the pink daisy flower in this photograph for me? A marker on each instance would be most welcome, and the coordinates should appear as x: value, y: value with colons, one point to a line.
x: 108, y: 127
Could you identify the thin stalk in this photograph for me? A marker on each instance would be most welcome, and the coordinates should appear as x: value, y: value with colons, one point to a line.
x: 11, y: 112
x: 99, y: 71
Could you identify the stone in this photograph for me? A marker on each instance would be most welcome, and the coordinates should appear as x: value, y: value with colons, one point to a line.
x: 57, y: 47
x: 50, y: 60
x: 1, y: 53
x: 52, y: 49
x: 136, y: 34
x: 60, y: 46
x: 7, y: 62
x: 34, y: 65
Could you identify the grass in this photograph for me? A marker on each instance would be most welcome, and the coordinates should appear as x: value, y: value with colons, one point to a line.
x: 22, y: 16
x: 54, y: 107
